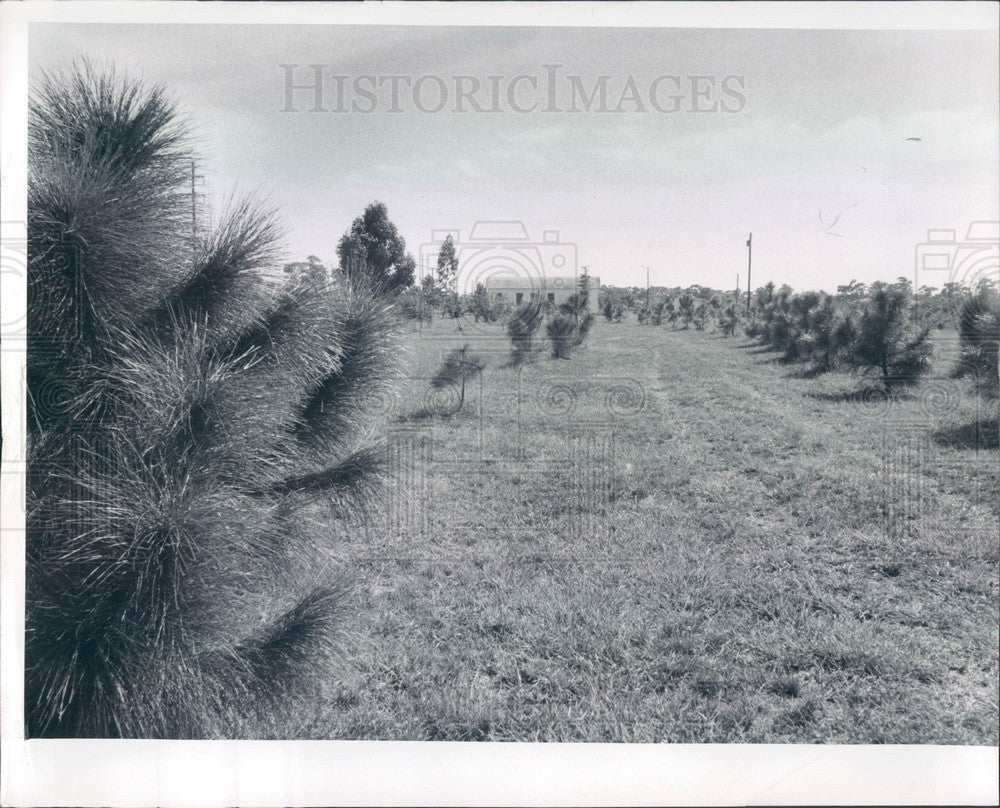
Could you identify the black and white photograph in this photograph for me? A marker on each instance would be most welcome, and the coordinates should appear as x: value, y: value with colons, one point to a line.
x: 505, y: 379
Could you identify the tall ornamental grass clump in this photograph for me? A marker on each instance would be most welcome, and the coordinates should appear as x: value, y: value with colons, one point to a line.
x: 187, y: 424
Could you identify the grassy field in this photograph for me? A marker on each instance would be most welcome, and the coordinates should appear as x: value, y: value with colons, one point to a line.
x: 673, y: 537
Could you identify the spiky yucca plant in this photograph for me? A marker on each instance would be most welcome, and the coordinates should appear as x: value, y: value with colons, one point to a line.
x: 187, y: 422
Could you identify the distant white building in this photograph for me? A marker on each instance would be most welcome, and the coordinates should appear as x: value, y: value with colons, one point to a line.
x: 554, y: 290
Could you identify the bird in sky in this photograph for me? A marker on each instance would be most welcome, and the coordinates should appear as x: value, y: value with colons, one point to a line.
x: 914, y: 138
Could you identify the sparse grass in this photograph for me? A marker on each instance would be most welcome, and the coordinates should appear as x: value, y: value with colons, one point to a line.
x: 668, y: 538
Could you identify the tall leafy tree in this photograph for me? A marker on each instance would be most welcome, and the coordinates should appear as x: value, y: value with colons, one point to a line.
x: 447, y: 266
x: 372, y: 251
x: 310, y: 270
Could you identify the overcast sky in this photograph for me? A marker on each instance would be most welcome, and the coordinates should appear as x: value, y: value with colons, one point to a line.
x: 817, y: 131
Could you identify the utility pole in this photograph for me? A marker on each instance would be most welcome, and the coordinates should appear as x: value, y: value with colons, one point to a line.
x: 737, y: 287
x: 749, y: 254
x: 647, y: 289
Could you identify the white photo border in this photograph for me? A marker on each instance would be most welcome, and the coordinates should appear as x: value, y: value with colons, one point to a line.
x: 262, y: 773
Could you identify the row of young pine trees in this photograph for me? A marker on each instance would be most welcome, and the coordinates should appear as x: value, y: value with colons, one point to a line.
x: 192, y: 431
x: 566, y: 326
x: 881, y: 335
x: 683, y: 310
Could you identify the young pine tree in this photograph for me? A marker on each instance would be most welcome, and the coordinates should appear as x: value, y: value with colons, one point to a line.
x: 700, y: 316
x: 522, y: 328
x: 486, y: 308
x: 728, y: 320
x: 185, y: 426
x: 685, y: 309
x: 832, y: 337
x: 656, y: 313
x: 668, y: 310
x: 563, y: 335
x: 979, y: 337
x: 569, y: 328
x: 460, y: 367
x: 887, y: 342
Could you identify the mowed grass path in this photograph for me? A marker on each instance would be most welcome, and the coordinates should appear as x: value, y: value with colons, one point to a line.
x: 672, y: 538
